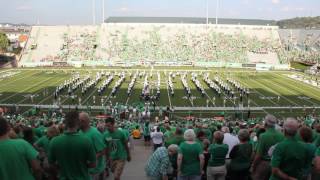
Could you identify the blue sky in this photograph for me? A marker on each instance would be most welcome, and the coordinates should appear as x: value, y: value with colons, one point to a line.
x: 80, y: 11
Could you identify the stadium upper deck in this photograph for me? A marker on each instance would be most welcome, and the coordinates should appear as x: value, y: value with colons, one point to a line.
x: 145, y: 42
x: 173, y: 41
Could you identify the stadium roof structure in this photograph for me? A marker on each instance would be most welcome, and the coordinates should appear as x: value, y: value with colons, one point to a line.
x: 187, y: 20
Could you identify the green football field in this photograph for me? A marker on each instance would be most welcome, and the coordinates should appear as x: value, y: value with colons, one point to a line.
x: 270, y: 92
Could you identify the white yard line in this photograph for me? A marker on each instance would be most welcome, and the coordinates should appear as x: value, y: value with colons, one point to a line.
x: 25, y: 89
x: 293, y: 80
x: 61, y: 79
x: 205, y: 92
x: 257, y: 93
x: 128, y: 98
x: 93, y: 91
x: 232, y: 102
x: 169, y: 94
x: 294, y: 92
x: 277, y: 84
x: 276, y: 93
x: 10, y: 82
x: 191, y: 102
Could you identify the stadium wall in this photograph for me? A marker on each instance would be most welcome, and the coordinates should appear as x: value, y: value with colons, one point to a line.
x: 78, y: 64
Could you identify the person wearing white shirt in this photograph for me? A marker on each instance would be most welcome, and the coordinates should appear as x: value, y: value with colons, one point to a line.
x: 157, y: 138
x: 229, y: 139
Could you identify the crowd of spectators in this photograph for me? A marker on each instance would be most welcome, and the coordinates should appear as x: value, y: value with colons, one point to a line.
x: 272, y: 149
x: 76, y: 146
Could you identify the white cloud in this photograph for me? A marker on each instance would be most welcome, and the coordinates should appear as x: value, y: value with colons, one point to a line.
x: 123, y: 9
x: 246, y: 1
x: 275, y: 1
x: 285, y: 9
x: 23, y: 8
x: 291, y: 9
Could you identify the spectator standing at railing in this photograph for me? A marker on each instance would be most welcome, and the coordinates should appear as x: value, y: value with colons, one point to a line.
x: 240, y: 156
x: 72, y: 153
x: 119, y: 151
x: 289, y: 156
x: 96, y: 139
x: 217, y: 169
x: 18, y: 159
x: 261, y: 169
x: 190, y: 158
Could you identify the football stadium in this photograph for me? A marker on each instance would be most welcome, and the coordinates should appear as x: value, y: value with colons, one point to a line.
x: 189, y: 68
x: 161, y: 98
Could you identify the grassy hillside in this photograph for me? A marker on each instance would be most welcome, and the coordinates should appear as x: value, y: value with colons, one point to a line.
x: 300, y: 23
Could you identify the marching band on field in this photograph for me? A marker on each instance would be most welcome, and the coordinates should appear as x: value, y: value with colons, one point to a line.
x: 229, y: 87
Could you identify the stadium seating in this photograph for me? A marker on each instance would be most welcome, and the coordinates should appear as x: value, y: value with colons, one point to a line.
x: 174, y: 43
x: 301, y: 45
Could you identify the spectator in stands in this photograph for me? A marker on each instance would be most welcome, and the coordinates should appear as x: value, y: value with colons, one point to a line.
x: 72, y: 151
x: 157, y: 138
x: 217, y: 167
x: 289, y: 156
x: 317, y: 134
x: 136, y: 134
x: 42, y: 145
x: 261, y: 169
x: 306, y: 136
x: 146, y: 133
x: 97, y: 173
x: 190, y: 158
x: 18, y: 159
x: 29, y: 136
x: 317, y: 161
x: 207, y: 132
x: 168, y: 130
x: 206, y: 155
x: 177, y: 138
x: 119, y: 149
x: 158, y: 165
x: 229, y: 139
x: 241, y: 157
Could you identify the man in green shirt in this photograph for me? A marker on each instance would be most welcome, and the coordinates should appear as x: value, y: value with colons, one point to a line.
x: 177, y: 138
x: 40, y: 130
x: 42, y: 144
x: 146, y: 133
x: 96, y: 139
x: 261, y: 169
x: 289, y: 156
x: 207, y: 132
x: 18, y: 159
x: 317, y: 160
x: 72, y: 152
x: 118, y: 148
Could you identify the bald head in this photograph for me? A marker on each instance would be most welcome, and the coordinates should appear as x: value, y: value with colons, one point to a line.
x: 84, y: 120
x: 225, y: 129
x: 270, y: 121
x: 291, y: 127
x: 52, y: 131
x: 218, y: 137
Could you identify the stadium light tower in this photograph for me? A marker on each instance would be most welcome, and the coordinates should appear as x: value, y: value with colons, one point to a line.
x: 217, y: 11
x: 207, y: 15
x: 103, y: 11
x: 94, y: 12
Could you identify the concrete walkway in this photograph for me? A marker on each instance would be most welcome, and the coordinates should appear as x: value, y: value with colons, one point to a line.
x: 134, y: 170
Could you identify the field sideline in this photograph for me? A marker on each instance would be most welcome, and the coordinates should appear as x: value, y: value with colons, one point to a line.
x: 267, y: 89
